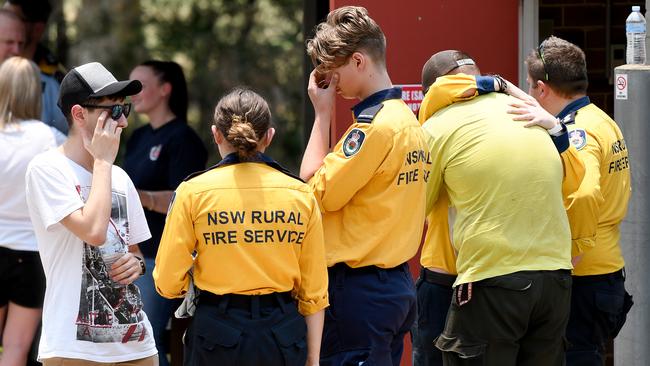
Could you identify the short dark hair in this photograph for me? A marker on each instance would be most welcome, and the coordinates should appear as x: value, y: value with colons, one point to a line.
x: 172, y: 73
x: 561, y: 65
x: 34, y: 11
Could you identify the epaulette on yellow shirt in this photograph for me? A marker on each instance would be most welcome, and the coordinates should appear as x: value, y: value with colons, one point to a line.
x: 372, y: 185
x: 437, y: 251
x: 598, y: 207
x: 255, y: 230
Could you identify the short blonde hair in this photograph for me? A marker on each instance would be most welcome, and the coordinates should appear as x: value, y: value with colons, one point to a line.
x: 20, y: 91
x: 347, y: 30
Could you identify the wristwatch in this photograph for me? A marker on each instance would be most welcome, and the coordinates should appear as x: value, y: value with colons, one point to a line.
x: 143, y: 267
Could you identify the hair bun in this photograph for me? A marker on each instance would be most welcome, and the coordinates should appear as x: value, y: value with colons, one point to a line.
x: 242, y: 136
x: 243, y: 118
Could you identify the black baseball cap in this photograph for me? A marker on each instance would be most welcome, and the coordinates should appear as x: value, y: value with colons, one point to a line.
x: 92, y: 80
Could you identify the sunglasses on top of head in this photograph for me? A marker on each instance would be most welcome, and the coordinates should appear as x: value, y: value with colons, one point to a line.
x: 540, y: 53
x: 117, y: 110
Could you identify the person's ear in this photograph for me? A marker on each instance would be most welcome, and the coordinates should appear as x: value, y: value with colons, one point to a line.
x: 359, y: 60
x: 217, y: 135
x: 78, y: 114
x: 166, y: 89
x: 542, y: 88
x: 268, y: 137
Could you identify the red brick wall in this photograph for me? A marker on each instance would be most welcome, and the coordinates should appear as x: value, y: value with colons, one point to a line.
x: 583, y: 22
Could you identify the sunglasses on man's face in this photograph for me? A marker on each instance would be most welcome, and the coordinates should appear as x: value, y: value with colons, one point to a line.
x: 117, y: 110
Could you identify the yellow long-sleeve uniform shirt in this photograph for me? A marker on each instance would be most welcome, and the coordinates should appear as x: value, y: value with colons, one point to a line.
x: 255, y: 230
x: 372, y: 185
x: 601, y: 202
x: 505, y: 181
x: 437, y: 251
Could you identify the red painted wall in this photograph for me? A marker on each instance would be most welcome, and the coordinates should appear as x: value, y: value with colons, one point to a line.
x: 485, y: 29
x: 416, y: 29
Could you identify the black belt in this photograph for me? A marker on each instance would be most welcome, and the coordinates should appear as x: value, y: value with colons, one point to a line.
x: 618, y: 275
x: 367, y: 269
x: 245, y: 302
x: 442, y: 279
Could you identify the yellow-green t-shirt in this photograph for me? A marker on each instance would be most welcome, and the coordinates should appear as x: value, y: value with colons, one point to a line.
x: 505, y: 181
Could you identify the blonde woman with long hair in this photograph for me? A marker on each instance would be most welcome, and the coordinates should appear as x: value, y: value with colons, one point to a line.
x: 22, y: 136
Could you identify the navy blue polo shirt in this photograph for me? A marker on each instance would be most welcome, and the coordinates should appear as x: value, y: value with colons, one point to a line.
x: 158, y: 160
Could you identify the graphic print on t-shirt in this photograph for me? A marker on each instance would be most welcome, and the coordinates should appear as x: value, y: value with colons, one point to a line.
x: 109, y: 312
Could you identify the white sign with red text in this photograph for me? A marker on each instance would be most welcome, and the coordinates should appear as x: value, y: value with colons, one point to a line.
x: 412, y: 96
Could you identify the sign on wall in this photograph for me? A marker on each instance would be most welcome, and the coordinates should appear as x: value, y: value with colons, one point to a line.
x: 412, y: 96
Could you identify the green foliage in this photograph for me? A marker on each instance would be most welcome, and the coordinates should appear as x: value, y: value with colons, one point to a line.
x: 236, y: 42
x: 220, y: 44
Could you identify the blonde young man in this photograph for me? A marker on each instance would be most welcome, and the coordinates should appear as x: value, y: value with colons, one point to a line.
x: 557, y: 75
x: 372, y: 189
x: 87, y: 217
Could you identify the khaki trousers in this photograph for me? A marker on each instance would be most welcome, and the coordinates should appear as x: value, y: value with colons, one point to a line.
x: 60, y: 361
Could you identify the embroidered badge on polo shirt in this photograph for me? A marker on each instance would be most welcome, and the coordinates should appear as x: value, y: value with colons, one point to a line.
x: 578, y: 138
x: 154, y: 153
x: 353, y: 142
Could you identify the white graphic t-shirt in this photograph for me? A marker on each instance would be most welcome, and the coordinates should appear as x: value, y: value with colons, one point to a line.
x: 86, y: 315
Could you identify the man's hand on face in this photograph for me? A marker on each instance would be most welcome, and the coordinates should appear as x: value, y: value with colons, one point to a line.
x: 105, y: 142
x: 322, y: 93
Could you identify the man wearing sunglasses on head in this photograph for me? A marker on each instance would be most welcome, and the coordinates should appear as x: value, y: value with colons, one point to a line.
x: 87, y: 217
x: 557, y: 76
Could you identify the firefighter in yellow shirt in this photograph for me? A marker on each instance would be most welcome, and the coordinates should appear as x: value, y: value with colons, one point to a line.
x: 511, y: 297
x: 372, y: 189
x: 256, y: 234
x: 557, y: 76
x: 438, y: 273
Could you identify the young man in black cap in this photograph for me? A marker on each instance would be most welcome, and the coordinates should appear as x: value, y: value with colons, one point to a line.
x: 87, y: 216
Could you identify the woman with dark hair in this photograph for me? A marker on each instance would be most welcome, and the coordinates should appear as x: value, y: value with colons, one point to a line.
x: 158, y: 157
x: 253, y: 233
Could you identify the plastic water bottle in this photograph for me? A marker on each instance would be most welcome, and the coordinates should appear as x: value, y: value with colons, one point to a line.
x: 635, y: 31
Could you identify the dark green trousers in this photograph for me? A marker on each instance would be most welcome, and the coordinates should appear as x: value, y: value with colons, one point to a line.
x: 515, y: 319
